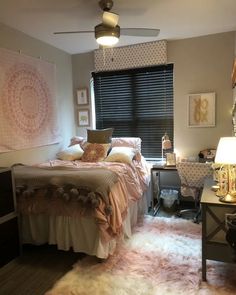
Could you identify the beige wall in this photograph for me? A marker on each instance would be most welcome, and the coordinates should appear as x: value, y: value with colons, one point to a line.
x: 15, y: 40
x: 201, y: 64
x: 82, y: 65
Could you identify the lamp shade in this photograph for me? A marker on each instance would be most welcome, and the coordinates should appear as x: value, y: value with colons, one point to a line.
x: 226, y: 151
x: 107, y: 36
x: 166, y: 143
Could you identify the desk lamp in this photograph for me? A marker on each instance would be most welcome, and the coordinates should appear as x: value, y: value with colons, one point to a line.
x: 226, y: 156
x: 166, y: 144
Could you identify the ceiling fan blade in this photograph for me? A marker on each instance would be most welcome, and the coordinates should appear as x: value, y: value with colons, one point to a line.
x: 73, y: 32
x: 140, y: 32
x: 110, y: 19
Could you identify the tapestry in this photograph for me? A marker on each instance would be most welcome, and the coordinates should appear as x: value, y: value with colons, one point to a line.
x: 28, y: 115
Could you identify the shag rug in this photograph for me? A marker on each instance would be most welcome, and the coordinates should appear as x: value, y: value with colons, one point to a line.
x: 162, y: 257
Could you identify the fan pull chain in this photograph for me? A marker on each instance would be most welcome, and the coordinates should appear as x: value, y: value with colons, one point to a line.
x: 112, y: 54
x: 104, y: 56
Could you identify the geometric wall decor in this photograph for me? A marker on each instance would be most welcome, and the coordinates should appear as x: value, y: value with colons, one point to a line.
x: 132, y: 56
x: 28, y: 114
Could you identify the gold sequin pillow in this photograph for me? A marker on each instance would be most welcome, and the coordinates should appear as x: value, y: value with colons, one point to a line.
x: 95, y: 152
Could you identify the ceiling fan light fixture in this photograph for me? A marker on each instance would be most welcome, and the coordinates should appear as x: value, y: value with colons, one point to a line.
x: 107, y: 40
x: 107, y: 36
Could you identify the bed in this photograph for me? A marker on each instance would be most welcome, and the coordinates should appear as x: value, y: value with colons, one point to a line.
x: 81, y: 204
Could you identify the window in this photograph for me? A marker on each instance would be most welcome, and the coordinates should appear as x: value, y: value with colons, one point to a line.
x: 137, y: 102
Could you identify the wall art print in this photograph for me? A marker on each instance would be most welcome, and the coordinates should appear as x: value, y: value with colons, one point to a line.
x: 28, y: 115
x: 201, y: 110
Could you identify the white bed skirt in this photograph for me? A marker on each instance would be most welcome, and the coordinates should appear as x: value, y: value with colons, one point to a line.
x: 80, y: 234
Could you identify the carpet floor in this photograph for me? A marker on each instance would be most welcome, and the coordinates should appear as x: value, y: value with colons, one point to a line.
x: 162, y: 257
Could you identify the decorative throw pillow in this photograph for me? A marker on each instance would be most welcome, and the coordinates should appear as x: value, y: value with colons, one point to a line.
x: 121, y: 154
x: 71, y: 153
x: 99, y: 136
x: 95, y: 152
x: 134, y: 142
x: 77, y: 140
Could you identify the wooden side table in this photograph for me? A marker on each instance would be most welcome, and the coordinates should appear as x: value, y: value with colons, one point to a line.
x: 214, y: 244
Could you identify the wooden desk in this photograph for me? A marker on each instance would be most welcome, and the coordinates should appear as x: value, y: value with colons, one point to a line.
x: 214, y: 244
x: 156, y: 184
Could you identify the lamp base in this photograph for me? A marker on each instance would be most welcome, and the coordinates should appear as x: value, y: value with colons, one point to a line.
x: 228, y: 199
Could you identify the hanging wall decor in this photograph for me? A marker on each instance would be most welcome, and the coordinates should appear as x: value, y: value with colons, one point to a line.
x: 233, y: 75
x: 201, y: 110
x: 82, y: 96
x: 28, y: 115
x: 83, y: 118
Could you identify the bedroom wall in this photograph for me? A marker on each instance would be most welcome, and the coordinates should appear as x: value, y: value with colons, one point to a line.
x: 15, y: 40
x: 202, y: 64
x: 82, y: 66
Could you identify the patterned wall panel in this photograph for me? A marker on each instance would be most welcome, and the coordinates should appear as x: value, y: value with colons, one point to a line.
x: 133, y: 56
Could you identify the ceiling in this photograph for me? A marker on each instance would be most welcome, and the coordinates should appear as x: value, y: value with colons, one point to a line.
x: 176, y: 19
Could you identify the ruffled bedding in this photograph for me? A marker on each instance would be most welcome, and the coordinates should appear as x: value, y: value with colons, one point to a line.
x: 129, y: 182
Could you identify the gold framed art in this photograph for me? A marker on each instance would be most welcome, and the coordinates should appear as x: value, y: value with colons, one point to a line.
x: 170, y: 159
x: 83, y: 118
x: 201, y: 110
x: 82, y: 96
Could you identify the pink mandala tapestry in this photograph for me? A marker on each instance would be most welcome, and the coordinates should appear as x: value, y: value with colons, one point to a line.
x: 28, y: 115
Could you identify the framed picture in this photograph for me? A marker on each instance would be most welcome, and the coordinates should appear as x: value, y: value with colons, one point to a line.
x: 82, y: 96
x: 233, y: 76
x: 170, y: 159
x: 201, y: 110
x: 234, y: 117
x: 83, y: 118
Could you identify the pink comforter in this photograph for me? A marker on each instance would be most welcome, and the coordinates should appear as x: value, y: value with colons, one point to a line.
x: 132, y: 183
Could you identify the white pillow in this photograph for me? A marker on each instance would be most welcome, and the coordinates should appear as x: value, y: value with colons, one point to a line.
x: 71, y: 153
x: 134, y: 142
x: 121, y: 154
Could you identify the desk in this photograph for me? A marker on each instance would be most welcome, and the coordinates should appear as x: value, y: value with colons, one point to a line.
x: 156, y: 171
x: 214, y: 245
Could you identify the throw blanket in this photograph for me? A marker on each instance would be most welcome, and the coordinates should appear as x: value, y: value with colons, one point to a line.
x: 86, y: 186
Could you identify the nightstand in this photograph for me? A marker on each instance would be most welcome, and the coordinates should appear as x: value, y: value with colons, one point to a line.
x: 9, y: 228
x: 214, y: 244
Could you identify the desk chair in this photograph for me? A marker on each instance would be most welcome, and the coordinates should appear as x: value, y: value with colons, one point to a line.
x: 192, y: 176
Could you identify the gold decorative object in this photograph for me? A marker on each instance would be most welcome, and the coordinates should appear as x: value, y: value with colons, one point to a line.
x: 226, y: 157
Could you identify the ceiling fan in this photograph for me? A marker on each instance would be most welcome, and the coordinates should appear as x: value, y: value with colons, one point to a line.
x: 108, y: 32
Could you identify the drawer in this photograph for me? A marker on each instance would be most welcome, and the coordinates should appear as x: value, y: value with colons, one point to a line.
x: 7, y: 203
x: 9, y: 241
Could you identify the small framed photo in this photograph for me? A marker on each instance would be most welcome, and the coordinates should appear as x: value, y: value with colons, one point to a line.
x: 201, y: 110
x: 83, y: 118
x: 82, y: 96
x: 170, y: 159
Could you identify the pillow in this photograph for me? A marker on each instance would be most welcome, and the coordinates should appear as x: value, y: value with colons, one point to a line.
x: 121, y: 154
x: 71, y: 153
x: 99, y: 136
x: 134, y: 142
x: 95, y: 152
x: 77, y: 140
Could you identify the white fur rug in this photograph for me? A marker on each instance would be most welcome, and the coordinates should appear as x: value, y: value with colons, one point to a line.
x: 162, y: 257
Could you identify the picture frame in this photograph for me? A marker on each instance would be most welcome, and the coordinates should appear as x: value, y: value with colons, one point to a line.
x: 82, y: 96
x: 83, y: 118
x: 234, y: 117
x: 233, y: 75
x: 170, y: 159
x: 201, y: 110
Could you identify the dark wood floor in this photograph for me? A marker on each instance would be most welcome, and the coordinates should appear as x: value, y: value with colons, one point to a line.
x: 35, y: 272
x: 39, y: 267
